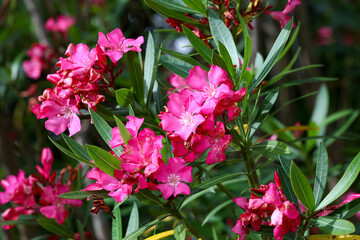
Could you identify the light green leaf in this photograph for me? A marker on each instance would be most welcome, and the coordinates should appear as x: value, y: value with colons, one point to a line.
x: 124, y: 97
x: 264, y: 110
x: 322, y: 165
x: 196, y: 5
x: 174, y: 6
x: 124, y: 132
x: 199, y: 45
x: 77, y: 149
x: 176, y: 66
x: 103, y: 159
x: 301, y: 187
x: 216, y: 210
x: 116, y: 228
x: 272, y: 57
x: 247, y: 50
x: 333, y: 225
x: 84, y: 194
x: 274, y: 147
x: 344, y: 183
x: 291, y: 41
x: 133, y: 224
x: 226, y: 57
x: 149, y: 65
x: 180, y: 231
x: 52, y: 226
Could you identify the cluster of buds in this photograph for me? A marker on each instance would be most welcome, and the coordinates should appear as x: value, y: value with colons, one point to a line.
x: 38, y: 194
x: 83, y: 75
x: 272, y: 209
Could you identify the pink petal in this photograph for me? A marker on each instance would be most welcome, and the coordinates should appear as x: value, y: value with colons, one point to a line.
x: 217, y: 75
x: 197, y: 78
x: 166, y: 190
x: 116, y: 36
x: 182, y: 188
x: 185, y: 174
x: 74, y: 124
x: 161, y: 174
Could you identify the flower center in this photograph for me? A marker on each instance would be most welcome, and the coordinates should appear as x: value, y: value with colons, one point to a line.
x: 210, y: 91
x: 186, y: 118
x: 173, y: 179
x: 66, y: 112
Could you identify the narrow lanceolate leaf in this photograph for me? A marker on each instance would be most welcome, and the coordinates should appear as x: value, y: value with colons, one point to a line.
x: 52, y: 226
x: 104, y: 130
x: 185, y: 58
x: 142, y: 229
x: 124, y: 97
x: 301, y: 187
x: 133, y: 224
x: 344, y: 183
x: 218, y: 61
x: 76, y: 148
x: 273, y: 147
x: 116, y: 230
x: 180, y: 231
x: 347, y: 210
x: 196, y: 5
x: 272, y: 57
x: 286, y: 186
x: 124, y: 132
x: 227, y: 59
x: 176, y: 66
x: 215, y: 180
x: 322, y: 164
x: 285, y: 163
x: 103, y: 159
x: 199, y: 45
x: 172, y: 5
x: 264, y: 110
x: 84, y: 194
x: 149, y: 66
x: 80, y: 229
x: 216, y: 210
x: 247, y: 50
x: 333, y: 225
x: 72, y: 155
x: 222, y: 34
x: 136, y: 75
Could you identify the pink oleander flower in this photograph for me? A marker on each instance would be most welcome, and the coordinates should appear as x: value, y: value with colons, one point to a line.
x: 47, y: 159
x: 182, y: 115
x: 133, y: 126
x: 283, y: 16
x: 324, y: 35
x: 61, y: 24
x: 171, y: 177
x: 116, y: 44
x: 32, y: 68
x: 61, y: 114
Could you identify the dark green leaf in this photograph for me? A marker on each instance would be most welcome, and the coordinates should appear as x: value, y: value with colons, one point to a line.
x: 176, y: 66
x: 285, y: 163
x: 76, y: 147
x: 272, y: 57
x: 218, y: 61
x: 215, y: 180
x: 344, y: 183
x: 133, y: 224
x: 333, y: 225
x: 52, y: 226
x: 174, y: 6
x: 124, y: 97
x: 274, y: 147
x: 103, y: 159
x: 185, y: 58
x: 247, y: 49
x: 347, y: 210
x: 264, y: 110
x: 286, y: 186
x: 146, y: 196
x: 136, y: 75
x: 216, y: 210
x: 196, y: 5
x: 199, y: 45
x: 322, y: 165
x: 80, y: 229
x: 116, y: 228
x: 226, y: 57
x: 124, y: 132
x: 307, y: 80
x: 301, y: 187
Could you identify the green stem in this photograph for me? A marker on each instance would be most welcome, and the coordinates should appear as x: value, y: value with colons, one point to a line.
x: 249, y: 165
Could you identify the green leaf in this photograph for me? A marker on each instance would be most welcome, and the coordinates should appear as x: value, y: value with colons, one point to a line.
x: 274, y: 147
x: 18, y: 222
x: 218, y: 61
x: 307, y: 80
x: 142, y: 229
x: 133, y: 224
x: 215, y: 237
x: 104, y: 130
x: 174, y: 6
x: 124, y: 97
x: 176, y: 66
x: 333, y: 225
x: 285, y: 163
x: 196, y: 5
x: 215, y: 180
x: 185, y: 58
x: 344, y: 183
x: 80, y: 229
x: 301, y: 187
x: 158, y: 7
x: 149, y: 65
x: 321, y: 105
x: 322, y: 164
x: 226, y: 57
x: 77, y: 149
x: 116, y: 228
x: 336, y: 116
x: 247, y: 50
x: 52, y: 226
x: 180, y: 231
x: 70, y: 154
x: 199, y: 45
x: 286, y: 186
x: 103, y: 159
x: 136, y: 76
x: 291, y: 41
x: 222, y: 34
x: 216, y: 210
x: 124, y: 132
x: 347, y: 210
x: 75, y: 195
x: 272, y: 57
x: 264, y: 110
x: 159, y: 105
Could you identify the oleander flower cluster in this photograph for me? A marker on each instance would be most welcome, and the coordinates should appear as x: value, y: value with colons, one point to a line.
x: 272, y: 209
x: 38, y: 194
x: 83, y: 76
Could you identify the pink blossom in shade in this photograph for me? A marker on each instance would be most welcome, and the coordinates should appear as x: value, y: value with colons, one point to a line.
x: 11, y: 214
x: 323, y: 35
x: 133, y: 125
x: 283, y: 16
x: 228, y: 104
x: 32, y: 67
x: 116, y: 44
x: 182, y: 116
x: 61, y: 114
x: 47, y: 159
x: 172, y: 177
x: 61, y: 24
x: 57, y: 211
